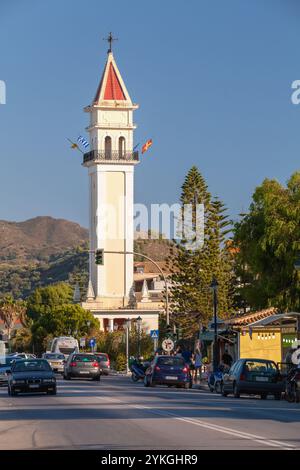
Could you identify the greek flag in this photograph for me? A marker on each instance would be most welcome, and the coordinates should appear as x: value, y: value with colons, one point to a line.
x: 83, y: 141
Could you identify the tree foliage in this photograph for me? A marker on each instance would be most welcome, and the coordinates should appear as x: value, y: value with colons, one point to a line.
x: 268, y: 239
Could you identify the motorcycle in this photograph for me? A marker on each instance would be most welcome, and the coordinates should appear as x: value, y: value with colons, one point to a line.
x: 138, y: 370
x: 292, y: 388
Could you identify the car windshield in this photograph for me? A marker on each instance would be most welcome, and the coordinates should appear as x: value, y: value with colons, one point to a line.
x: 66, y: 350
x: 260, y: 366
x: 170, y: 361
x: 84, y: 358
x: 31, y: 365
x: 54, y: 356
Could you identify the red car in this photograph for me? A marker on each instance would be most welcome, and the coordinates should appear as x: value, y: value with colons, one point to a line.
x: 104, y: 362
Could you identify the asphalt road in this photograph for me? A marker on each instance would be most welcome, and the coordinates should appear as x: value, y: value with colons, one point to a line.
x: 117, y: 414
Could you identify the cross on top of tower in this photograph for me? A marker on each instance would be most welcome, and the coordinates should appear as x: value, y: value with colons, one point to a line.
x: 110, y: 40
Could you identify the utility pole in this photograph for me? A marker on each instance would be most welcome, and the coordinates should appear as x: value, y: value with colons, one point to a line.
x: 214, y: 286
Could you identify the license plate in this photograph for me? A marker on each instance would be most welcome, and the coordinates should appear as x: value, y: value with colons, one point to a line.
x: 56, y: 363
x: 33, y: 386
x: 262, y: 379
x: 171, y: 377
x: 83, y: 372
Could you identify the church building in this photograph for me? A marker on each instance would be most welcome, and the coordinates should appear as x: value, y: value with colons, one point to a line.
x: 110, y: 164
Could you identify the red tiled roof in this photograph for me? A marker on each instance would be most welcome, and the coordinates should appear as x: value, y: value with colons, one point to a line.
x: 248, y: 318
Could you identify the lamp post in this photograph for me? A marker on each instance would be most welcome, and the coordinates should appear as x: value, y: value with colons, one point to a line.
x: 139, y: 324
x: 297, y: 267
x: 214, y: 286
x: 127, y: 326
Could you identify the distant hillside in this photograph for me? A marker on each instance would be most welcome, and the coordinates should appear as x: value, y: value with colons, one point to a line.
x: 36, y: 239
x: 45, y: 250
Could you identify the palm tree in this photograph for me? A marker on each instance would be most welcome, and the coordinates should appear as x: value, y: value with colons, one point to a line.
x: 10, y: 312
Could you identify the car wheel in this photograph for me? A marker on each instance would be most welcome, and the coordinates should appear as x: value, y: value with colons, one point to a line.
x: 218, y: 387
x: 263, y: 396
x: 13, y: 393
x: 134, y: 378
x: 152, y: 384
x: 97, y: 379
x: 51, y: 392
x: 186, y: 385
x: 277, y: 396
x: 236, y: 392
x: 224, y: 394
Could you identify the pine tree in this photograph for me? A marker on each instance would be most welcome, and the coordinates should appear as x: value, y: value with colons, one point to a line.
x: 193, y: 269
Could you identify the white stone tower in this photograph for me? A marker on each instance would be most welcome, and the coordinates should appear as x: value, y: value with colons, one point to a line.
x: 110, y: 164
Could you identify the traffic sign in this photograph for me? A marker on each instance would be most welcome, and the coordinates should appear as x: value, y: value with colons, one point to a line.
x: 92, y: 342
x: 167, y: 345
x: 154, y: 334
x: 82, y: 342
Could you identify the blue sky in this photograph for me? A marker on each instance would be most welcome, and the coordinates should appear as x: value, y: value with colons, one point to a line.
x: 213, y: 80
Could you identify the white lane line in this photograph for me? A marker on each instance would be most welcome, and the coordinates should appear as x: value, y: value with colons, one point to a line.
x: 214, y: 427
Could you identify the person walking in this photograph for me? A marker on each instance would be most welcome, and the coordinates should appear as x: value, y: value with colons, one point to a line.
x: 197, y: 364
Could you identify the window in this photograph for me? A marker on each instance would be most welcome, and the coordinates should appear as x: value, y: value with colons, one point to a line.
x: 122, y: 147
x: 107, y: 146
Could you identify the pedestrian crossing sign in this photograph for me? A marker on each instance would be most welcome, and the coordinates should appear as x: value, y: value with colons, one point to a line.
x: 154, y: 334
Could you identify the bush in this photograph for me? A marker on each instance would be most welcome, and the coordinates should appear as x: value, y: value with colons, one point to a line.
x: 120, y: 363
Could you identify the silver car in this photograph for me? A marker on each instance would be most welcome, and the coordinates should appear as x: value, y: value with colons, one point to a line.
x: 56, y: 361
x: 82, y: 365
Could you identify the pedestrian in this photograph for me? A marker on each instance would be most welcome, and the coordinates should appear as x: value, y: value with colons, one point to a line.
x: 197, y: 364
x: 227, y: 358
x: 187, y: 356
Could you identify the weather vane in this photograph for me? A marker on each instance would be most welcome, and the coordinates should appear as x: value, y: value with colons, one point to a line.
x: 110, y: 40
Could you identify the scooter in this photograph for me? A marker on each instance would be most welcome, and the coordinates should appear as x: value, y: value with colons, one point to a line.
x: 138, y: 370
x: 215, y: 379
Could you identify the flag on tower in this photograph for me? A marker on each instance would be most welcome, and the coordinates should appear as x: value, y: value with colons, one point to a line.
x: 83, y: 141
x: 147, y: 145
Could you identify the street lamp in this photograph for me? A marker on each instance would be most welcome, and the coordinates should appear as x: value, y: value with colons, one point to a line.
x: 139, y: 324
x: 127, y: 324
x: 214, y: 286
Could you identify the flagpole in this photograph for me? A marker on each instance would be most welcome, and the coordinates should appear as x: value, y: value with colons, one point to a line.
x: 77, y: 147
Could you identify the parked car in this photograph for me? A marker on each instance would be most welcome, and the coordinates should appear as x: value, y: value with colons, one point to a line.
x: 5, y: 369
x: 168, y: 370
x: 56, y: 361
x: 83, y: 365
x: 31, y: 375
x: 104, y: 362
x: 255, y: 377
x: 22, y: 355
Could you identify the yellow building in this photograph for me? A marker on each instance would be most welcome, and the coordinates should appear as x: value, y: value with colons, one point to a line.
x: 266, y: 334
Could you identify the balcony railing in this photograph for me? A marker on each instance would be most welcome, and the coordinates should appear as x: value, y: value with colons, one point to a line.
x: 95, y: 155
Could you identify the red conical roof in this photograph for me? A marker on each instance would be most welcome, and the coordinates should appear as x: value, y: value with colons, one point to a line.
x: 110, y: 87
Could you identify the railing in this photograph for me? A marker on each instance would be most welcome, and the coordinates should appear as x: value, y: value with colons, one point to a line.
x: 95, y: 155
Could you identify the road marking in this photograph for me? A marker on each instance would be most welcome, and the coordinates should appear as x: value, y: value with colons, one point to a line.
x: 214, y: 427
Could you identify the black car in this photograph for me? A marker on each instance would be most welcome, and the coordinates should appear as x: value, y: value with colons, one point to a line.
x: 5, y: 369
x: 253, y: 377
x: 31, y: 375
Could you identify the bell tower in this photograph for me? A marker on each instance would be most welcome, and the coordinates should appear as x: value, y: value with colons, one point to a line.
x: 110, y: 163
